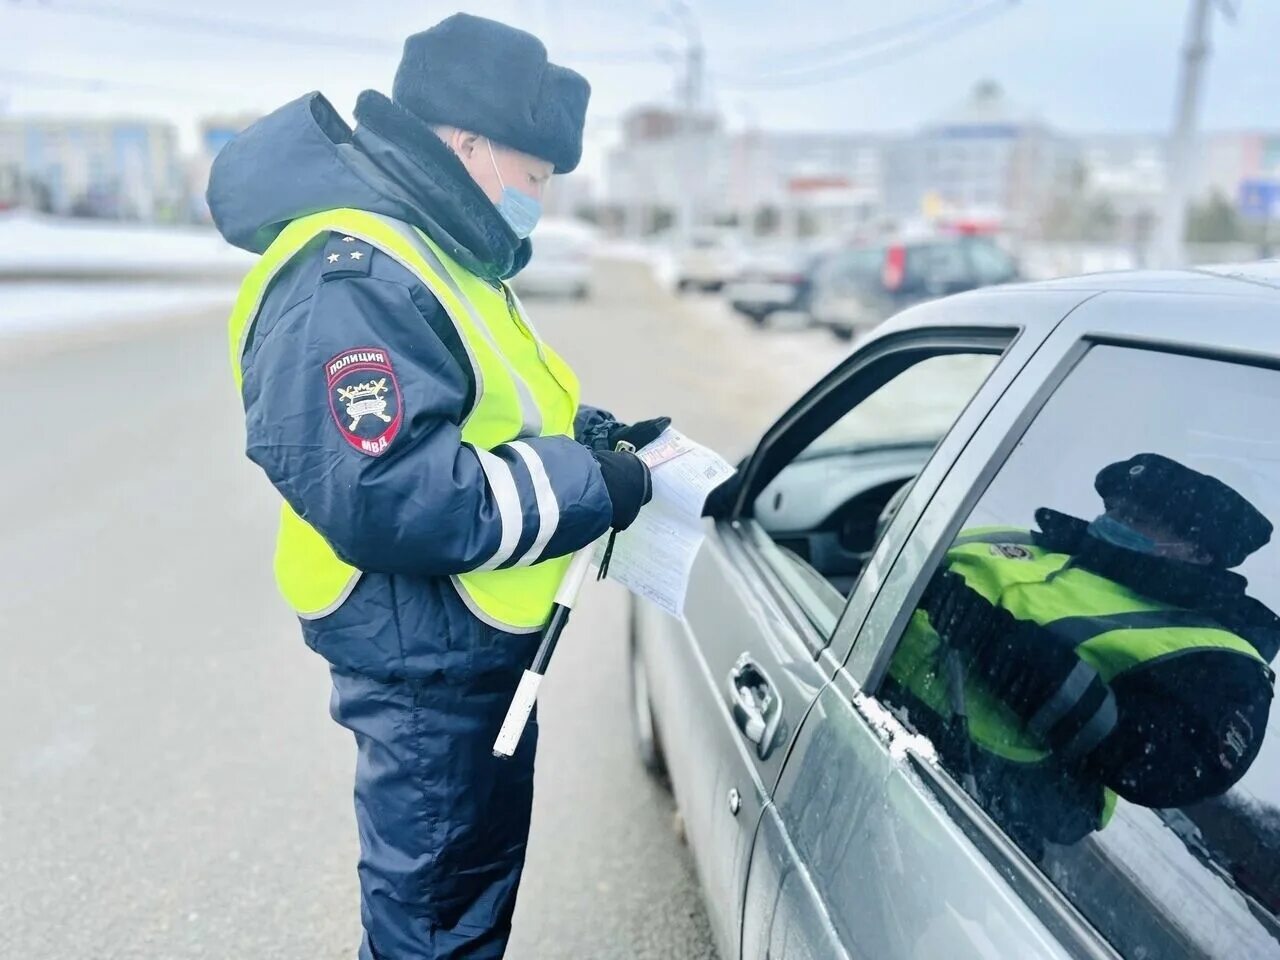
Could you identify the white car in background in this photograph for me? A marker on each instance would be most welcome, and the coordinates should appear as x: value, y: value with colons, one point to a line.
x: 709, y: 260
x: 561, y: 262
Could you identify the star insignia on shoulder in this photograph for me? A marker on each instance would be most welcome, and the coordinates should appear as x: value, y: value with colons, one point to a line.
x: 356, y: 254
x: 333, y: 258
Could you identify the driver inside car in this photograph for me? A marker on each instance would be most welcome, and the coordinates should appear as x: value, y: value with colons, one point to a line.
x: 1061, y: 667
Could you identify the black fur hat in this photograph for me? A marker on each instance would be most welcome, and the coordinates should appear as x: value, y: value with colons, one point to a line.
x: 1200, y: 507
x: 495, y: 80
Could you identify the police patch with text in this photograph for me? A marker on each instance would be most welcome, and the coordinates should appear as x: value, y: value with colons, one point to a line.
x: 364, y: 398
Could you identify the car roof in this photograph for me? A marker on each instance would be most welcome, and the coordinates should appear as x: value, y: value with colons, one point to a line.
x: 1214, y: 278
x: 1041, y: 305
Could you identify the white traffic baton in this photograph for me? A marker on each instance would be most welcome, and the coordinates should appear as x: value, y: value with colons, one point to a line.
x: 527, y: 692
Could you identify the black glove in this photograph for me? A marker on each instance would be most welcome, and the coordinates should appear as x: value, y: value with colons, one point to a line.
x: 628, y: 482
x: 608, y: 434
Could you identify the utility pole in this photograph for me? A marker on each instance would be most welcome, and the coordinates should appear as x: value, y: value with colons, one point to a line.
x: 692, y: 168
x: 1170, y: 251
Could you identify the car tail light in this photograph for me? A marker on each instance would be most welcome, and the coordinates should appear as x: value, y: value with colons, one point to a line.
x: 895, y: 268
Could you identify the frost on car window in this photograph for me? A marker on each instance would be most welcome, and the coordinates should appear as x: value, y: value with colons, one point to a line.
x: 1093, y: 657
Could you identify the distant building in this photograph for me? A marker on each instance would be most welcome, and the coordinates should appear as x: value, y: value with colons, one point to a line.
x: 1129, y: 170
x: 987, y: 158
x: 127, y: 169
x: 818, y: 183
x: 821, y: 182
x: 663, y: 162
x: 1230, y: 158
x: 1130, y: 173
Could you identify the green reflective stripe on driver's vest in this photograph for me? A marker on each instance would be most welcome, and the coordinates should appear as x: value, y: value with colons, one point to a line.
x: 536, y: 395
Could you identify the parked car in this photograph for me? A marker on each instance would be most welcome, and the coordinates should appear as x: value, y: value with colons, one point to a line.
x: 561, y: 262
x: 708, y: 260
x: 772, y: 281
x: 863, y: 286
x: 831, y: 810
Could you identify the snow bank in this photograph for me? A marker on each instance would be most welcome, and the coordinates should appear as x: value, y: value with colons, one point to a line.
x: 32, y: 245
x: 39, y: 307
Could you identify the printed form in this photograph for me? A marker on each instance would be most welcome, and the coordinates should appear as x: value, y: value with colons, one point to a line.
x: 654, y: 556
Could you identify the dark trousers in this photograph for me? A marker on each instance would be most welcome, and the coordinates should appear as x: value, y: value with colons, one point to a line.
x: 443, y: 824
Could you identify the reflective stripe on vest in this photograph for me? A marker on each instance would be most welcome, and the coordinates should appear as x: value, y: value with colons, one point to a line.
x: 1112, y: 629
x: 522, y: 389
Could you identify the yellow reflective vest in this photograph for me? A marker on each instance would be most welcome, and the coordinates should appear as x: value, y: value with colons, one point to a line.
x: 536, y: 397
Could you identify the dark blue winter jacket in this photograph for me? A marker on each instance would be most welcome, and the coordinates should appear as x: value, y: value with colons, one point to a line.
x: 423, y: 511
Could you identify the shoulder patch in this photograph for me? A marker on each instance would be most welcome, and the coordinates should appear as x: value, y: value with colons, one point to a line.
x: 1010, y: 551
x: 364, y: 398
x: 345, y: 256
x: 1236, y: 737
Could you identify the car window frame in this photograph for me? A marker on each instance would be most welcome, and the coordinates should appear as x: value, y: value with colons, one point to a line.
x: 1024, y: 319
x: 759, y: 547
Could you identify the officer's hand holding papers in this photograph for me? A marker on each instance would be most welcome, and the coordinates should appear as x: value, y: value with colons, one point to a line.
x: 654, y: 556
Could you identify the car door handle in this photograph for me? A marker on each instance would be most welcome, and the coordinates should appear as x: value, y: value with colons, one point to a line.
x: 756, y: 705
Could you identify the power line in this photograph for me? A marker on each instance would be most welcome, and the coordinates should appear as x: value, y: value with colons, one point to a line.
x: 287, y: 36
x: 805, y: 55
x: 937, y: 30
x: 93, y: 85
x: 831, y: 73
x: 208, y: 26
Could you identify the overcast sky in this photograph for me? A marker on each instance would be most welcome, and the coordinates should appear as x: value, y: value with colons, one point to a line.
x: 1084, y: 65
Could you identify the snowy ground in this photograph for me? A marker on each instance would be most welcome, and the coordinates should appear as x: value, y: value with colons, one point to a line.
x: 58, y: 275
x: 795, y: 352
x: 37, y: 246
x: 57, y: 306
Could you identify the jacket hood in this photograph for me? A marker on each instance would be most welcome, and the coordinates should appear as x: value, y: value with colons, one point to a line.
x: 303, y: 158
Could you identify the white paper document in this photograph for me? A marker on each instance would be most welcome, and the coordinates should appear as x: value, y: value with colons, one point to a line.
x: 654, y: 556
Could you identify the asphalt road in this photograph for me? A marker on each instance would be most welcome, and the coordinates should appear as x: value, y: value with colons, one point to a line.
x: 170, y: 783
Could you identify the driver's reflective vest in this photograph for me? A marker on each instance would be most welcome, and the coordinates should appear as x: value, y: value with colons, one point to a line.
x: 309, y: 574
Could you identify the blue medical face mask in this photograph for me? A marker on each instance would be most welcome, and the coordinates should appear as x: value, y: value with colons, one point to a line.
x: 520, y: 210
x: 1119, y: 534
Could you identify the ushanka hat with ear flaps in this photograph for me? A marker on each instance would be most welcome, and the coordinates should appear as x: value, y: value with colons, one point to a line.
x: 1199, y: 507
x: 492, y: 79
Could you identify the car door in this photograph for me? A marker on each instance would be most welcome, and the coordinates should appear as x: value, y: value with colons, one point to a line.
x: 733, y: 680
x: 850, y: 847
x: 879, y: 840
x: 897, y: 376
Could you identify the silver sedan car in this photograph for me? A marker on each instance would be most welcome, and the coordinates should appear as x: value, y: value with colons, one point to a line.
x: 976, y: 660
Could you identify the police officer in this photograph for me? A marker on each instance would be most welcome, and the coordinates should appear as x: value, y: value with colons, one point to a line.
x: 1060, y: 667
x: 436, y: 467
